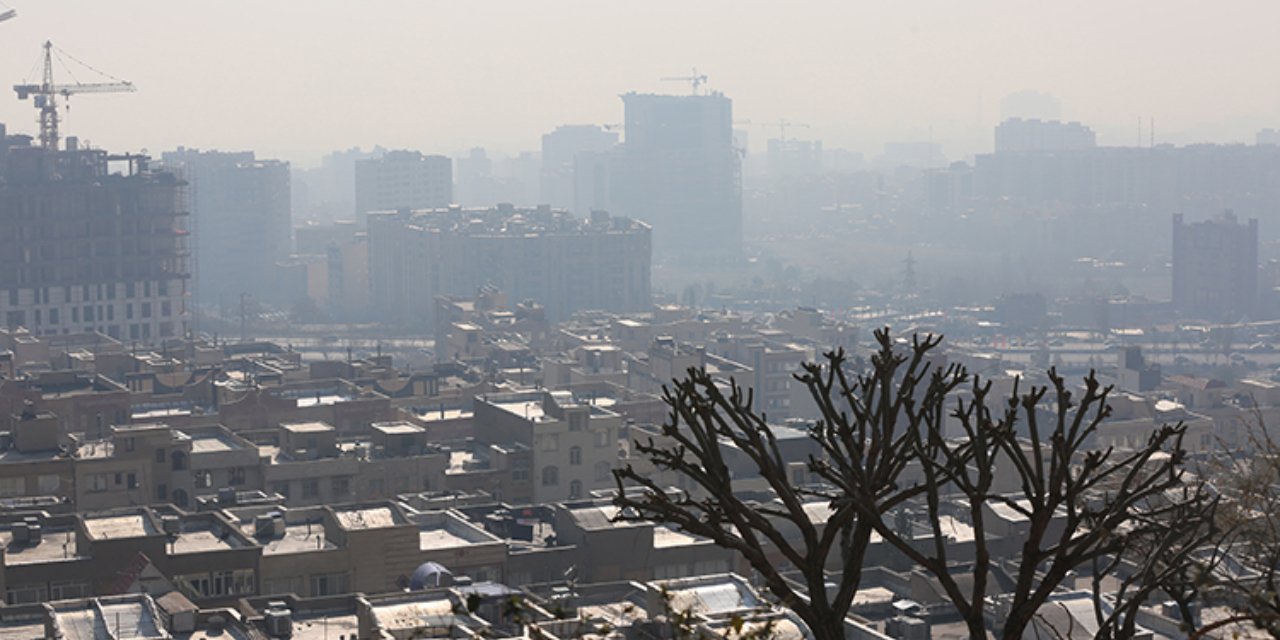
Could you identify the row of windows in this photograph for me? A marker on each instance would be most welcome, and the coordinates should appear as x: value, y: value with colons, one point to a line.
x: 551, y: 441
x: 45, y: 592
x: 551, y: 474
x: 93, y: 293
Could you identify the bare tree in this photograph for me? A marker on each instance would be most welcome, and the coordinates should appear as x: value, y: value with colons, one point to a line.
x: 1131, y: 515
x: 861, y: 433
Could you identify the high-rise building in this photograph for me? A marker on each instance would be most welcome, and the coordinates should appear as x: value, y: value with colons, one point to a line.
x: 678, y: 170
x: 403, y: 180
x: 560, y: 151
x: 1016, y: 134
x: 1215, y: 267
x: 87, y: 249
x: 564, y: 263
x: 240, y: 220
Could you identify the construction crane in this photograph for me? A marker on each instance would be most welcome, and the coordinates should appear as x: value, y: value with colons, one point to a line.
x: 782, y: 125
x: 695, y: 81
x: 46, y: 94
x: 7, y: 12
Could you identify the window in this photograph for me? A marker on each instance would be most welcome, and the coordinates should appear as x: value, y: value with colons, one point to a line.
x: 520, y: 475
x: 603, y: 471
x: 604, y: 438
x: 237, y: 476
x: 550, y: 476
x: 327, y: 584
x: 166, y: 309
x: 53, y: 316
x: 25, y: 594
x: 204, y: 479
x: 577, y: 421
x: 162, y: 493
x: 146, y: 309
x: 160, y: 456
x: 179, y: 460
x: 575, y: 489
x: 281, y: 488
x: 575, y: 455
x: 550, y: 442
x: 310, y: 489
x: 341, y: 487
x: 68, y: 589
x: 49, y: 483
x: 132, y: 481
x: 13, y: 486
x: 98, y: 482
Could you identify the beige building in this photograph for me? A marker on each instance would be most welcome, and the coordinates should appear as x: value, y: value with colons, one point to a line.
x: 574, y: 444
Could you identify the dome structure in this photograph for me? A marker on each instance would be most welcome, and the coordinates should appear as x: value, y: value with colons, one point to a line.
x: 429, y: 575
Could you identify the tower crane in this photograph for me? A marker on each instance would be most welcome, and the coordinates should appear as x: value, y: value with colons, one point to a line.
x: 695, y: 80
x: 46, y: 95
x: 782, y: 125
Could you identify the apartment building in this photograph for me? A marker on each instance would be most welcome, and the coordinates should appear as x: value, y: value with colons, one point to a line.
x: 573, y: 443
x: 91, y: 250
x: 562, y: 263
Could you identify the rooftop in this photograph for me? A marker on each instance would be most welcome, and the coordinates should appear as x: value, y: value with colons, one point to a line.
x: 213, y: 443
x: 367, y: 518
x: 118, y: 527
x: 200, y: 536
x: 306, y: 427
x: 54, y: 546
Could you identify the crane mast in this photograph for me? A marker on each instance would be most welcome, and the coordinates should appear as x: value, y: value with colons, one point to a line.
x: 46, y: 96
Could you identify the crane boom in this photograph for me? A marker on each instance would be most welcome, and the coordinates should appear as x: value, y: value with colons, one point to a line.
x: 5, y: 15
x: 695, y: 81
x: 46, y: 96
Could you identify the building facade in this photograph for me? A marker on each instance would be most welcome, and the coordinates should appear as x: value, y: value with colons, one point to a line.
x: 403, y: 179
x: 564, y: 263
x: 240, y: 219
x: 1215, y: 267
x: 90, y: 250
x: 678, y: 170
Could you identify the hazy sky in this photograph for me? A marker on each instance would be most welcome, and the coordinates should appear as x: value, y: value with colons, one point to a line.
x: 297, y: 78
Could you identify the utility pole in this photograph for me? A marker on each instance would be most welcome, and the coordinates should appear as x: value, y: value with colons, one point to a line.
x: 244, y: 317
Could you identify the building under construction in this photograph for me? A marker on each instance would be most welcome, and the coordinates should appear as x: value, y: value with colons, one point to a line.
x: 96, y: 242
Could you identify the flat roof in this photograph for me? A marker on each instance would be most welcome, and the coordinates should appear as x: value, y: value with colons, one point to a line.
x: 54, y: 546
x: 118, y: 527
x: 370, y: 518
x: 664, y: 537
x: 398, y: 428
x: 213, y: 443
x: 439, y: 538
x: 306, y: 427
x: 297, y: 538
x: 325, y: 626
x: 199, y: 537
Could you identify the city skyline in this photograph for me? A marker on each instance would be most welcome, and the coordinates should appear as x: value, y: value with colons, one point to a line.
x: 913, y: 74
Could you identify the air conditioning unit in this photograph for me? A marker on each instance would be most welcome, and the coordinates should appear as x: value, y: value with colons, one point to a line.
x: 227, y: 495
x: 21, y: 533
x: 171, y: 525
x: 264, y: 526
x: 279, y: 622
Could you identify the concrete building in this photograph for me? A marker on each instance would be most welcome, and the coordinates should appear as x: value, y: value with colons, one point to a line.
x: 88, y: 249
x: 563, y: 263
x: 678, y: 170
x: 403, y: 180
x: 574, y: 444
x: 1215, y: 267
x: 240, y: 220
x: 561, y: 150
x: 1016, y: 134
